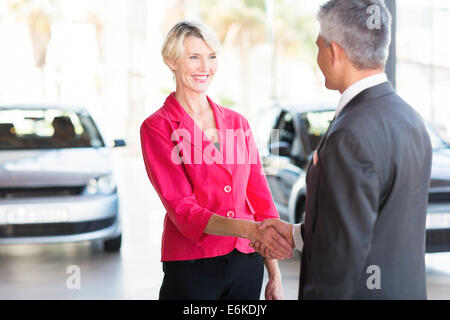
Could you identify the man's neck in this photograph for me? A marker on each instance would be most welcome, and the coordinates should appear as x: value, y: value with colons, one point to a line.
x: 356, y: 75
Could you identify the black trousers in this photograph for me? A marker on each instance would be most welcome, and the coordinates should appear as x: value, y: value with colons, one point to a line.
x: 235, y: 276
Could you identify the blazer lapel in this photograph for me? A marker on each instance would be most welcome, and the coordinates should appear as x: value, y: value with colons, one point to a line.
x: 325, y: 135
x: 316, y: 152
x: 377, y: 91
x: 222, y: 125
x: 384, y: 88
x: 187, y: 129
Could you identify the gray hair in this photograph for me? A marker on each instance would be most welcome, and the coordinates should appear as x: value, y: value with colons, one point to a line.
x: 348, y: 23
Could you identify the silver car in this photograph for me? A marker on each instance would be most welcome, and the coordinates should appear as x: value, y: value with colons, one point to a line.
x: 56, y: 179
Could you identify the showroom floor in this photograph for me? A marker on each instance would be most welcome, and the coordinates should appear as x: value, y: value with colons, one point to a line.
x: 47, y: 271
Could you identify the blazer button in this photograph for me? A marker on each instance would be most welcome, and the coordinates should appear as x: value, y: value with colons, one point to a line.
x: 227, y: 189
x: 230, y: 214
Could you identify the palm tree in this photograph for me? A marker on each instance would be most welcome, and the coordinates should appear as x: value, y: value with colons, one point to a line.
x: 38, y: 15
x: 295, y: 32
x: 238, y: 24
x: 40, y: 34
x: 244, y: 24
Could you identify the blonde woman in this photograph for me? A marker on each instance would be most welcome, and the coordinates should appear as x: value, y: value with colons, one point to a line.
x: 202, y: 160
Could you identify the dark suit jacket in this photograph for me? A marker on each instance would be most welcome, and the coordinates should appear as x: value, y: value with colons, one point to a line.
x: 366, y: 203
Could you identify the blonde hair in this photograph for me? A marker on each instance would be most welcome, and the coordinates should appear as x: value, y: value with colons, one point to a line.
x: 172, y: 47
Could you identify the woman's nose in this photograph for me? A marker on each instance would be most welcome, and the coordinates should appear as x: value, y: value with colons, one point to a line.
x: 204, y: 65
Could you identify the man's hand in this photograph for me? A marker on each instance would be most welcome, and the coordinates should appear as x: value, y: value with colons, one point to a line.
x: 272, y: 240
x: 284, y: 229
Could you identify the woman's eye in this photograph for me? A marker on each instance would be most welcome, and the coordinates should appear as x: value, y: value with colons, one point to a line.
x: 212, y: 57
x: 193, y: 57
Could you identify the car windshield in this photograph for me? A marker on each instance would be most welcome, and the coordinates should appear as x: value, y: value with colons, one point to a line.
x: 22, y: 129
x: 317, y: 124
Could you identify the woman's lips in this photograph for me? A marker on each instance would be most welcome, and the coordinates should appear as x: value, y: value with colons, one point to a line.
x: 200, y: 78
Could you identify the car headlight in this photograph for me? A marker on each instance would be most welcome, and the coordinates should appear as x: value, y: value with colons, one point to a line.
x: 101, y: 185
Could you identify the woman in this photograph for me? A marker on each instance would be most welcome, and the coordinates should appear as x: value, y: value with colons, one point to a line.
x: 197, y: 156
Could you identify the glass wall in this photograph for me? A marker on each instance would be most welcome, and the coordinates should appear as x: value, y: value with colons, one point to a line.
x: 423, y: 59
x: 105, y: 55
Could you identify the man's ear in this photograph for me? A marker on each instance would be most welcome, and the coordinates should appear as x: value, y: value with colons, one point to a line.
x: 337, y: 53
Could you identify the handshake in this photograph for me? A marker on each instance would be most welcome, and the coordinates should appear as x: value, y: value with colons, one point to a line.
x: 273, y: 239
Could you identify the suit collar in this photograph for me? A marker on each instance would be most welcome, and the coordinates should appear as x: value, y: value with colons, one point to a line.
x: 374, y: 92
x: 359, y: 86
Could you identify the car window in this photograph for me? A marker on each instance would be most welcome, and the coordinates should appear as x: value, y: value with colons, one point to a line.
x: 47, y: 129
x: 262, y: 124
x: 286, y: 128
x: 316, y: 124
x: 283, y: 134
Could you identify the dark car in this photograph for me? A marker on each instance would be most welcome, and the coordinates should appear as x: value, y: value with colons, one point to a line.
x: 287, y: 136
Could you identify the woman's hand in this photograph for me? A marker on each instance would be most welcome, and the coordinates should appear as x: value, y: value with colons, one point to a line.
x: 269, y: 239
x: 284, y: 229
x: 262, y: 250
x: 267, y: 236
x: 274, y: 288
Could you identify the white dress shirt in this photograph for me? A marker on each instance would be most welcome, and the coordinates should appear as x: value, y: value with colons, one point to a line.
x: 346, y: 97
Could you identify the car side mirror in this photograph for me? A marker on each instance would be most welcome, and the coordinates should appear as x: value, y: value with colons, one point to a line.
x: 119, y: 143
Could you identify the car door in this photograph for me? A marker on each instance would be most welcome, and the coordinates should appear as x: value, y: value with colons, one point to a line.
x: 280, y: 167
x: 263, y: 125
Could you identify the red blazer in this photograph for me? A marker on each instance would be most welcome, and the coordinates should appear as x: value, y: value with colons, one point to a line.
x: 194, y: 180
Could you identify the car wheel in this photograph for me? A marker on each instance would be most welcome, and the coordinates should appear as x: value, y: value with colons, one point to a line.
x: 113, y: 245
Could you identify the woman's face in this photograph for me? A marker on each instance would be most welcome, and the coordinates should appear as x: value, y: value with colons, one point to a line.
x: 195, y: 69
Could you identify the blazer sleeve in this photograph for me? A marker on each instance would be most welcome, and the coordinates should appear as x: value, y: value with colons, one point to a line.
x: 345, y: 218
x: 172, y: 185
x: 258, y: 191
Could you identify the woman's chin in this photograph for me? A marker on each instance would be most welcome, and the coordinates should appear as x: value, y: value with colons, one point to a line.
x: 200, y: 89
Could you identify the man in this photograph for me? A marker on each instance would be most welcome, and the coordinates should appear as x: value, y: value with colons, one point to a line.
x: 367, y: 185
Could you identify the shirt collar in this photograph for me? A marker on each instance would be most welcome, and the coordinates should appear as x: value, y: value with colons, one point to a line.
x: 358, y: 87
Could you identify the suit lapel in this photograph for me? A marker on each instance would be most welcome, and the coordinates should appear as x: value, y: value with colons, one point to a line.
x: 325, y: 135
x: 377, y: 91
x: 384, y: 88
